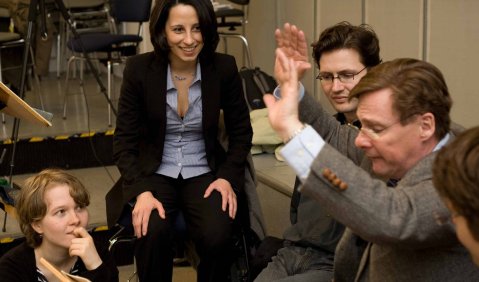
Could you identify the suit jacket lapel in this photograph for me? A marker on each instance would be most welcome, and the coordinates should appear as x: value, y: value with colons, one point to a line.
x: 155, y: 97
x: 210, y: 95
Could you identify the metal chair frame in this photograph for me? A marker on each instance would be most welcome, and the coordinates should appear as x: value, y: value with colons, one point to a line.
x: 115, y: 52
x: 18, y: 43
x: 223, y: 15
x: 81, y: 12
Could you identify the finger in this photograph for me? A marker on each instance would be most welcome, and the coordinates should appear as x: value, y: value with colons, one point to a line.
x: 76, y: 249
x: 287, y: 36
x: 224, y: 200
x: 235, y: 207
x: 279, y: 38
x: 78, y: 241
x: 161, y: 210
x: 81, y: 232
x: 209, y: 190
x: 73, y: 252
x: 269, y: 100
x: 294, y: 37
x: 137, y: 223
x: 231, y: 204
x: 144, y: 222
x: 302, y: 44
x: 282, y: 60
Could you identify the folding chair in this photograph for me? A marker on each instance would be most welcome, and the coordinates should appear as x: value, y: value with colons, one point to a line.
x: 116, y: 46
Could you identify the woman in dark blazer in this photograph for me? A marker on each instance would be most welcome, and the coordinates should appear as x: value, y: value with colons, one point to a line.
x: 166, y: 142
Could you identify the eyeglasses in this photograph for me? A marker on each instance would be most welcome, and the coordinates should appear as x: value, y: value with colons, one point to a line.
x: 328, y: 78
x: 374, y: 134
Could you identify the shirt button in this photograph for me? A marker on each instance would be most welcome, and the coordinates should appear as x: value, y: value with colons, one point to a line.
x: 179, y: 164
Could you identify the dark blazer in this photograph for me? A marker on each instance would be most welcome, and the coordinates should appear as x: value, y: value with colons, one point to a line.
x: 407, y: 240
x: 141, y: 124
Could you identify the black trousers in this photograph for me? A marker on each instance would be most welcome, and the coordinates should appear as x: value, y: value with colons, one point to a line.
x: 207, y: 225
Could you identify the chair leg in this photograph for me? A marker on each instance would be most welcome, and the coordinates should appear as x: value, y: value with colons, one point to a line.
x: 59, y: 46
x: 134, y: 274
x: 67, y: 77
x: 37, y: 80
x: 1, y: 79
x: 82, y: 67
x: 110, y: 83
x: 244, y: 41
x: 4, y: 228
x: 225, y: 45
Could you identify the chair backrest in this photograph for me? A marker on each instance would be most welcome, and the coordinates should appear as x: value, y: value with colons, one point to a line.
x: 130, y: 10
x: 240, y: 2
x: 83, y: 4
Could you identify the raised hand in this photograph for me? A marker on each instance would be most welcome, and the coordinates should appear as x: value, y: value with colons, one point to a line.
x: 292, y: 42
x: 227, y: 194
x: 145, y: 204
x: 283, y: 113
x: 84, y: 247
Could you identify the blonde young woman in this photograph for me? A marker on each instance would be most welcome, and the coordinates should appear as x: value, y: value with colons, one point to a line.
x: 53, y: 215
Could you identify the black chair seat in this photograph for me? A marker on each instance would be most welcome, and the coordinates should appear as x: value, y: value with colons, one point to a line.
x: 229, y: 13
x: 223, y: 14
x: 8, y: 36
x: 100, y: 42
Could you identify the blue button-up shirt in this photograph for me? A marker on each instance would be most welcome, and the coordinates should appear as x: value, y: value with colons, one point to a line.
x: 184, y: 149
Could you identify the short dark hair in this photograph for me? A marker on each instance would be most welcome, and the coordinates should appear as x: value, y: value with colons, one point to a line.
x: 456, y: 176
x: 344, y: 35
x: 418, y: 87
x: 206, y: 18
x: 30, y: 202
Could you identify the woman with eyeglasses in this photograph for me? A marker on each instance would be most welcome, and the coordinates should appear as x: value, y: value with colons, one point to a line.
x: 53, y: 216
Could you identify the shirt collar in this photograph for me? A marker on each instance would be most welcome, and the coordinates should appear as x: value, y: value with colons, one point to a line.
x: 442, y: 143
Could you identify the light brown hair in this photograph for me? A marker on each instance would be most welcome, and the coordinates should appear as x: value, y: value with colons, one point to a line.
x: 30, y: 203
x: 418, y: 87
x: 456, y: 176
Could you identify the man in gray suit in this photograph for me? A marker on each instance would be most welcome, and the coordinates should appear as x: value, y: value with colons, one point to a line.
x: 343, y: 54
x: 403, y: 106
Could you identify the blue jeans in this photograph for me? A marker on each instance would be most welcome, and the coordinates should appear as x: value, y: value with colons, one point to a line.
x: 298, y: 264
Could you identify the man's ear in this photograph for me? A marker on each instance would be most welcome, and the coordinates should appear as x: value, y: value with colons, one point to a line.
x: 427, y: 126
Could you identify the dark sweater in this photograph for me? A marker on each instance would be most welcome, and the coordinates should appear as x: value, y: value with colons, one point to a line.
x: 19, y: 264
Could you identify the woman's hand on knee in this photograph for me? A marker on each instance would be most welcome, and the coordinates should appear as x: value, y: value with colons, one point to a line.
x: 227, y: 194
x: 145, y: 203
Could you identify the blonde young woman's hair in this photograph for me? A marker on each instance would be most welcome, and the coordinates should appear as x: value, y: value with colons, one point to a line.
x: 30, y: 202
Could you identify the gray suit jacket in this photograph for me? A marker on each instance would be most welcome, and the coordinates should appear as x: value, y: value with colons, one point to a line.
x: 409, y: 240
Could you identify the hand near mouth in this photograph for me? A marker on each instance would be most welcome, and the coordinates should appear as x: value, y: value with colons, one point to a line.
x: 83, y: 247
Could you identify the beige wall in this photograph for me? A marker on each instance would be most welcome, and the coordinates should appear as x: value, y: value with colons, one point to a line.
x: 443, y: 32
